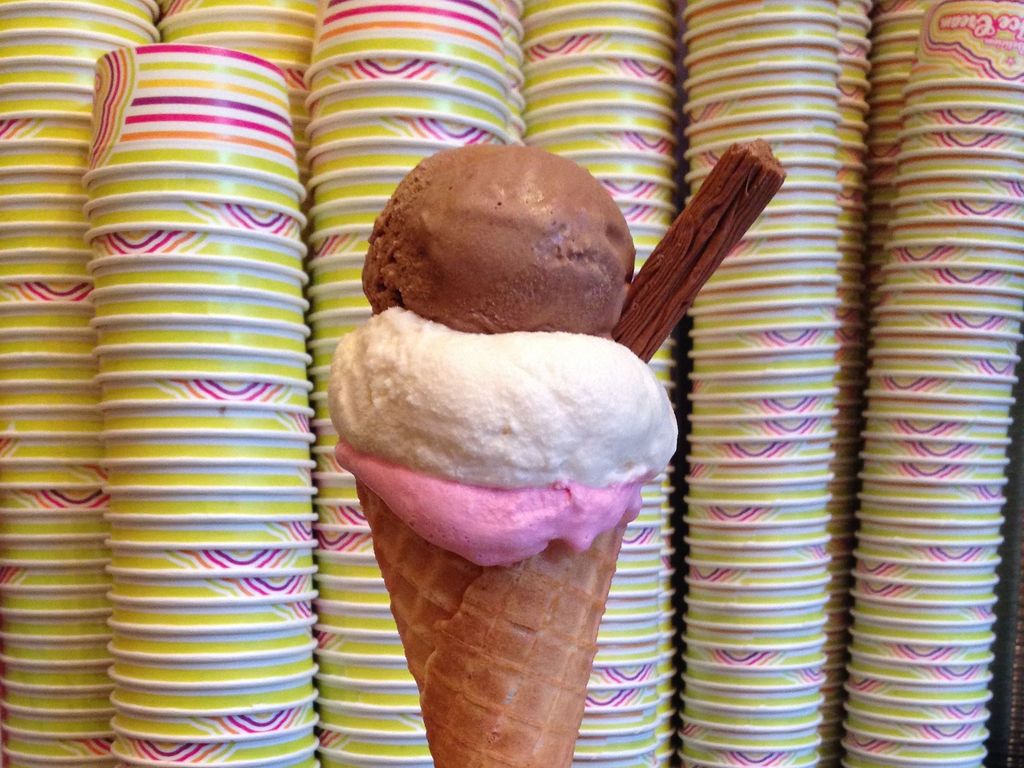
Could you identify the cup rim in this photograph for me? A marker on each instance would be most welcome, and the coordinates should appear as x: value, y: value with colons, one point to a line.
x: 347, y: 117
x: 215, y: 738
x: 746, y: 727
x: 574, y: 130
x: 690, y: 683
x: 103, y: 378
x: 555, y: 110
x: 50, y: 690
x: 828, y: 95
x: 241, y: 490
x: 187, y: 259
x: 121, y: 350
x: 179, y: 630
x: 169, y: 321
x: 350, y: 204
x: 219, y: 546
x: 129, y: 201
x: 639, y: 84
x: 297, y: 653
x: 427, y: 87
x: 163, y: 575
x: 665, y: 41
x: 915, y: 522
x: 190, y: 14
x: 222, y: 712
x: 65, y: 5
x: 748, y: 126
x: 775, y: 749
x: 376, y: 144
x: 187, y: 291
x: 729, y: 72
x: 815, y: 44
x: 79, y: 35
x: 439, y: 56
x: 769, y: 18
x: 157, y: 169
x: 354, y: 173
x: 813, y: 583
x: 900, y: 760
x: 145, y: 434
x: 967, y: 128
x: 94, y: 233
x: 890, y: 717
x: 252, y: 763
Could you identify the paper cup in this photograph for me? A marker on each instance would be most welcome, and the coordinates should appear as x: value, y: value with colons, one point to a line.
x: 191, y: 180
x: 228, y: 727
x: 475, y: 37
x: 223, y: 702
x: 123, y: 118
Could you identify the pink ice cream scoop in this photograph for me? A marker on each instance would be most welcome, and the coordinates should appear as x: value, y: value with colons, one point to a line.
x: 494, y: 526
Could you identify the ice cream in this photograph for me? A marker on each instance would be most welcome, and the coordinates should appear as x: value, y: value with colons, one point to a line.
x: 499, y: 439
x: 525, y: 438
x: 492, y: 239
x: 453, y: 393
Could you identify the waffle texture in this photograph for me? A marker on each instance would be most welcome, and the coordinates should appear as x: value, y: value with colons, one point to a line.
x: 501, y: 655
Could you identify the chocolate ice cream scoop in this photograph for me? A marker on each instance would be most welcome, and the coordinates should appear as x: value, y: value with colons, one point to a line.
x: 492, y: 239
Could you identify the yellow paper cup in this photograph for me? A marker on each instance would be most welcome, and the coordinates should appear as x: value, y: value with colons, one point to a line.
x: 201, y: 271
x: 228, y: 473
x: 146, y: 419
x: 192, y: 24
x: 438, y: 28
x: 170, y: 505
x: 292, y: 750
x: 650, y: 21
x: 145, y: 210
x: 408, y: 100
x: 195, y: 674
x: 228, y: 561
x: 121, y: 22
x: 779, y: 29
x: 267, y: 398
x: 156, y: 299
x: 134, y: 107
x: 227, y: 701
x: 272, y: 336
x: 382, y: 73
x: 599, y: 116
x: 556, y: 69
x: 241, y: 727
x: 187, y: 179
x: 94, y: 751
x: 220, y: 535
x: 175, y: 620
x: 133, y: 590
x: 280, y: 246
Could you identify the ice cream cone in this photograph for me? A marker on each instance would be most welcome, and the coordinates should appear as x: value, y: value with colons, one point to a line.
x: 501, y: 655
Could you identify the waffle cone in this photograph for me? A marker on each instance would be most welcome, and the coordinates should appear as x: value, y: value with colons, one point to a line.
x: 501, y: 655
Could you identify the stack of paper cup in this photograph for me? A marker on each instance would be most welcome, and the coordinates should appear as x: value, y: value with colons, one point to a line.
x: 599, y: 88
x: 280, y: 32
x: 389, y: 86
x: 895, y: 28
x: 383, y: 97
x: 763, y: 571
x: 53, y: 604
x: 945, y: 338
x: 194, y: 227
x: 851, y: 337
